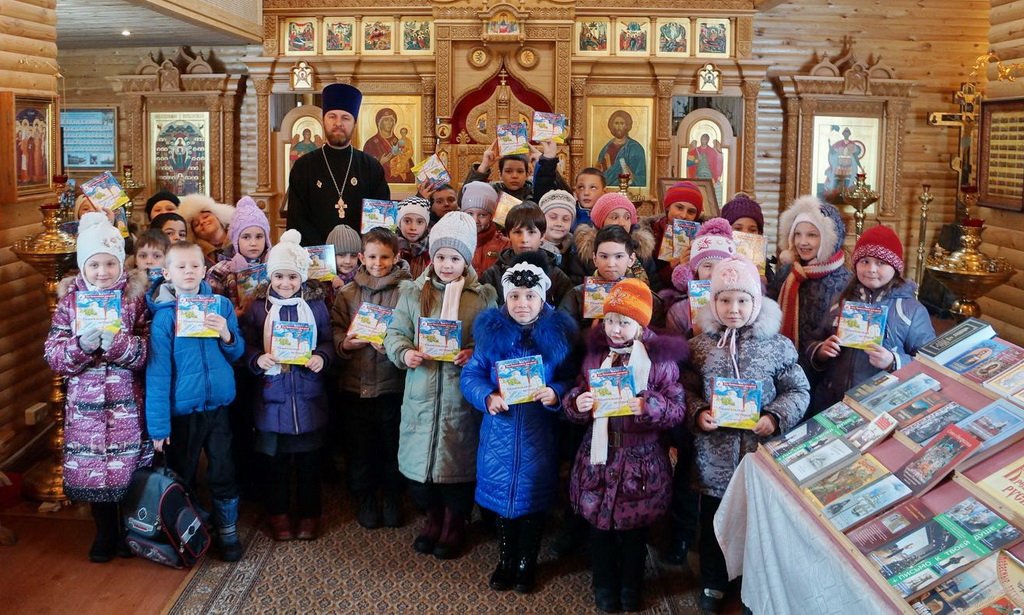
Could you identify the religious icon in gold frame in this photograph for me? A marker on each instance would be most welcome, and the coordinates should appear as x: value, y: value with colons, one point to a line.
x: 389, y: 129
x: 619, y: 138
x: 299, y: 36
x: 339, y: 36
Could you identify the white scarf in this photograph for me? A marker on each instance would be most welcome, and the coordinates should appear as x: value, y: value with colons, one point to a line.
x: 640, y: 364
x: 451, y: 299
x: 305, y: 315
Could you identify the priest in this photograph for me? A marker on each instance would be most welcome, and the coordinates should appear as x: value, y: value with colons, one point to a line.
x: 327, y: 186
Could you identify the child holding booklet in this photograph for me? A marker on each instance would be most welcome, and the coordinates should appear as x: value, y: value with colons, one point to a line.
x: 745, y: 216
x: 587, y: 188
x: 371, y: 386
x: 439, y: 430
x: 480, y: 201
x: 621, y: 481
x: 249, y: 232
x: 347, y: 245
x: 103, y: 367
x: 559, y: 209
x: 712, y: 244
x: 740, y: 340
x: 190, y: 384
x: 291, y: 408
x: 516, y: 434
x: 413, y: 223
x: 683, y: 201
x: 150, y: 248
x: 513, y: 173
x: 611, y: 209
x: 878, y: 263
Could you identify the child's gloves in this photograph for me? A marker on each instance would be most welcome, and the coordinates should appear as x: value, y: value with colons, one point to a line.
x: 106, y: 338
x: 89, y: 340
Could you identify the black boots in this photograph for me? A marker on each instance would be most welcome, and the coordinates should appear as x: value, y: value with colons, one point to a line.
x: 531, y: 527
x: 427, y: 538
x: 504, y: 575
x: 104, y: 545
x: 368, y: 515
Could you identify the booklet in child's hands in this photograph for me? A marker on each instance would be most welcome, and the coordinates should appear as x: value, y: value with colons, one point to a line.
x: 612, y: 388
x: 699, y: 295
x: 513, y: 139
x: 520, y: 379
x: 292, y: 342
x: 440, y: 339
x: 371, y: 322
x: 595, y: 291
x: 98, y: 308
x: 432, y: 170
x: 550, y: 126
x: 505, y: 204
x: 862, y: 325
x: 191, y: 316
x: 378, y: 212
x: 322, y: 265
x: 249, y: 279
x: 104, y: 191
x: 753, y: 247
x: 736, y: 403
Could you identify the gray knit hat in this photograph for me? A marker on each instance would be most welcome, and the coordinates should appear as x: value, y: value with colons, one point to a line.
x: 558, y: 199
x: 479, y: 195
x: 456, y: 230
x: 345, y: 239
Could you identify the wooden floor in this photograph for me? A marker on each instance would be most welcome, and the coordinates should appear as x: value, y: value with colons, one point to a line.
x: 48, y: 571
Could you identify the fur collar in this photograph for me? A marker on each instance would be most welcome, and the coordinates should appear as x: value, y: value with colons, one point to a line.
x: 134, y: 286
x: 766, y: 325
x: 662, y: 348
x: 554, y: 334
x: 312, y: 290
x: 814, y: 209
x: 585, y: 234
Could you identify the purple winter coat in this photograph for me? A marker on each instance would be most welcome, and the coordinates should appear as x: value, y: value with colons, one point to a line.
x: 294, y: 401
x: 635, y: 487
x: 104, y: 422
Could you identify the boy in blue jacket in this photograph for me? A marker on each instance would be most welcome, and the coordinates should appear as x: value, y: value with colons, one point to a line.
x: 189, y: 385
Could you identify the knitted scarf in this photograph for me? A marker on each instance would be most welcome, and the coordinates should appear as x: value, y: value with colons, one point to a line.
x: 304, y: 313
x: 789, y: 294
x: 640, y: 364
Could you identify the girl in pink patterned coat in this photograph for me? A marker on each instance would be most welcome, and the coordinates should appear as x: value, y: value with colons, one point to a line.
x: 104, y: 434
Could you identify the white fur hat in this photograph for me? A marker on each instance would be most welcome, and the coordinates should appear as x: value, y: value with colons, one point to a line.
x: 288, y: 255
x: 194, y: 204
x: 810, y: 209
x: 96, y: 235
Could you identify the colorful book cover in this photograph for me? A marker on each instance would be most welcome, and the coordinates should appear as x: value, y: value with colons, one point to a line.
x: 1007, y: 383
x: 873, y: 433
x: 736, y: 402
x: 927, y: 428
x: 121, y: 221
x: 753, y: 247
x: 821, y: 461
x: 520, y: 379
x: 866, y: 502
x: 98, y: 308
x: 505, y: 204
x: 888, y: 399
x: 881, y: 380
x: 292, y: 342
x: 1006, y: 486
x: 889, y: 526
x: 953, y: 342
x: 513, y: 139
x: 378, y: 212
x: 988, y: 370
x: 861, y: 472
x: 249, y: 279
x: 677, y: 238
x: 105, y: 191
x: 993, y: 424
x: 440, y: 339
x: 371, y: 322
x: 595, y: 290
x: 612, y: 388
x: 862, y: 324
x: 919, y: 407
x: 835, y: 421
x: 432, y: 170
x: 699, y: 295
x: 190, y: 319
x: 550, y: 126
x: 322, y: 265
x: 932, y: 463
x: 993, y: 586
x: 950, y: 541
x: 976, y: 355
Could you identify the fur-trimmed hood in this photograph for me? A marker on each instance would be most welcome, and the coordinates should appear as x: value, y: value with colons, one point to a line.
x: 312, y: 290
x: 134, y: 284
x: 194, y: 204
x: 824, y: 216
x: 669, y: 347
x: 554, y: 333
x: 585, y: 234
x: 765, y: 325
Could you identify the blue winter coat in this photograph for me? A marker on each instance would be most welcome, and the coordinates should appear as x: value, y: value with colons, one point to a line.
x: 517, y: 460
x: 907, y: 328
x: 294, y: 401
x: 186, y: 374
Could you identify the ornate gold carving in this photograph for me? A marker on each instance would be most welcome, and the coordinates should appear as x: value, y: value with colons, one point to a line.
x: 444, y: 71
x: 478, y: 57
x: 320, y: 4
x: 665, y: 87
x: 538, y: 32
x: 427, y: 140
x: 563, y: 66
x: 466, y: 32
x: 527, y: 57
x: 263, y: 88
x: 621, y: 89
x: 744, y: 36
x: 229, y: 154
x: 748, y: 178
x: 269, y: 34
x: 690, y: 5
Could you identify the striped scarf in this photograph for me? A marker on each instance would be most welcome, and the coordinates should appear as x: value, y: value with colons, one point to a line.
x: 789, y: 294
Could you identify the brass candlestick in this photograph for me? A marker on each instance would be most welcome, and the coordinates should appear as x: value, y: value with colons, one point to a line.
x: 131, y: 187
x: 624, y: 182
x: 968, y: 273
x: 926, y: 198
x: 51, y: 253
x: 860, y: 197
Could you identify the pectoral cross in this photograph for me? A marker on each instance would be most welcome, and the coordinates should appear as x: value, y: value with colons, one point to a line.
x: 340, y: 206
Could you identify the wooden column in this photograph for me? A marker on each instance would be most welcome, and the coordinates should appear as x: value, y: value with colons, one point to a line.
x: 427, y: 111
x: 263, y: 145
x: 748, y: 177
x: 215, y: 184
x: 577, y: 145
x: 663, y: 130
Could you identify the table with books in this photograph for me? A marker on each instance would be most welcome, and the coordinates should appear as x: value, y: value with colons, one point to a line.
x: 907, y: 497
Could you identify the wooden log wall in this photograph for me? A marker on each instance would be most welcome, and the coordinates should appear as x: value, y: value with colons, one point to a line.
x: 28, y: 66
x: 1004, y: 236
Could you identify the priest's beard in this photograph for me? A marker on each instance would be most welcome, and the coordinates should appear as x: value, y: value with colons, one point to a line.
x: 338, y: 140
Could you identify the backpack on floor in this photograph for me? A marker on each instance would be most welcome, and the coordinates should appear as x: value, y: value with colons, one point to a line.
x: 162, y: 523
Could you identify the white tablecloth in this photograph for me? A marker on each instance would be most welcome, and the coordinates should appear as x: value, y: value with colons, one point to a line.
x: 790, y: 564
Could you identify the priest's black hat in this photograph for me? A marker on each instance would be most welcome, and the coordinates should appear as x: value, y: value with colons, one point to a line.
x: 342, y: 97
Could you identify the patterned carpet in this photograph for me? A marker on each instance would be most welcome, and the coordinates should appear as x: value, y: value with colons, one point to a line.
x: 352, y: 570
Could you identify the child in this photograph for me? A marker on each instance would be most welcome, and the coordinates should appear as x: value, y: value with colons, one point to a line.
x: 480, y: 200
x: 439, y: 431
x: 712, y: 243
x: 683, y: 201
x: 104, y: 383
x: 189, y: 386
x: 162, y: 202
x: 347, y: 245
x: 291, y: 409
x: 878, y: 263
x: 614, y: 260
x: 745, y: 216
x: 150, y: 248
x: 587, y: 188
x: 740, y: 339
x: 525, y: 225
x: 812, y: 273
x: 611, y: 209
x: 559, y: 209
x: 371, y: 385
x: 513, y: 171
x: 171, y: 225
x: 413, y: 220
x: 250, y: 243
x: 621, y: 481
x: 521, y: 436
x: 208, y: 221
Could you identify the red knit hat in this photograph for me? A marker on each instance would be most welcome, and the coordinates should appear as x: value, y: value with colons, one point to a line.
x: 632, y: 298
x: 882, y: 243
x: 686, y: 192
x: 609, y: 202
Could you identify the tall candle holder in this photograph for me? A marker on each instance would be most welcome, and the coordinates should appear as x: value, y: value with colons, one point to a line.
x: 860, y: 197
x: 925, y: 198
x: 624, y: 179
x: 131, y: 187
